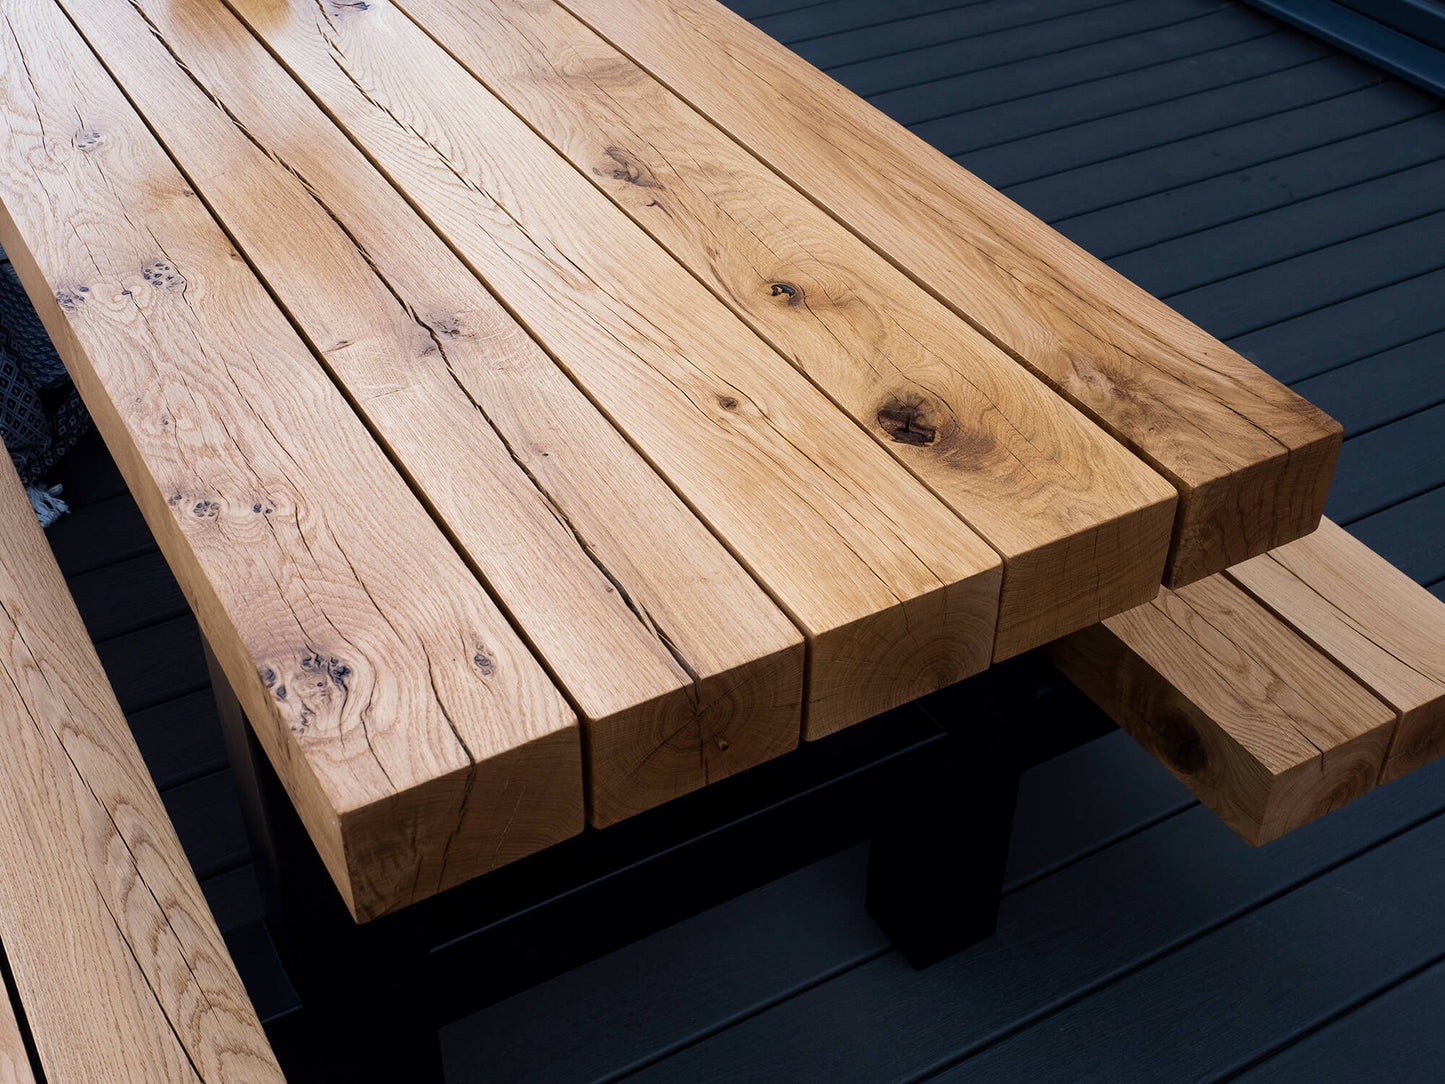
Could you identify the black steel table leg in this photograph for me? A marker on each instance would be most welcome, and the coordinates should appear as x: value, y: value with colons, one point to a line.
x: 366, y: 990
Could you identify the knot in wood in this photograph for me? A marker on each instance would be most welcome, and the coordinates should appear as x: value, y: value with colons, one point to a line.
x: 625, y: 169
x: 906, y: 423
x: 788, y: 290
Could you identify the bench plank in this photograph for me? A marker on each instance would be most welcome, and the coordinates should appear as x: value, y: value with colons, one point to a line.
x: 1260, y: 725
x: 584, y: 545
x: 1372, y: 620
x: 1082, y: 524
x: 116, y: 957
x: 1250, y: 459
x: 14, y: 1061
x: 419, y: 739
x: 896, y: 595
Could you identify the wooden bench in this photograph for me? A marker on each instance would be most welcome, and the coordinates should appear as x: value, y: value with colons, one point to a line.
x: 1280, y: 689
x: 116, y: 958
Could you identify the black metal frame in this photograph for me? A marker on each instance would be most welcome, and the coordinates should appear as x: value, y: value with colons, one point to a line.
x: 931, y: 784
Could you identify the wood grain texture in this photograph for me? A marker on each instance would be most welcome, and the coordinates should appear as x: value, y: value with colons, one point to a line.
x: 895, y: 594
x: 116, y: 958
x: 1082, y: 524
x: 1372, y: 620
x: 1250, y: 459
x: 419, y: 739
x: 1261, y: 726
x: 682, y: 669
x: 14, y: 1061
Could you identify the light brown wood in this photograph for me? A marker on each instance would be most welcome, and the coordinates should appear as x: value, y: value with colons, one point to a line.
x: 14, y: 1061
x: 681, y: 667
x: 1372, y: 620
x: 417, y: 736
x: 1261, y: 726
x: 1251, y: 460
x: 893, y: 591
x: 116, y: 958
x: 1082, y: 524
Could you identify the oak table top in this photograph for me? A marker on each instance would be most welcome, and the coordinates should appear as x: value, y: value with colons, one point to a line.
x: 550, y: 407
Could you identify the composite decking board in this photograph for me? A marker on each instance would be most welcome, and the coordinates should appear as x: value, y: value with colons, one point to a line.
x: 88, y: 473
x: 1197, y: 1013
x: 1245, y: 82
x: 1287, y: 288
x: 1316, y: 342
x: 1203, y: 181
x: 180, y: 738
x: 910, y: 598
x: 1382, y: 388
x: 207, y: 816
x: 235, y: 899
x: 127, y: 595
x: 1109, y: 785
x: 1081, y: 524
x: 1389, y: 465
x: 583, y: 545
x: 1060, y: 938
x: 984, y: 74
x: 979, y: 252
x: 1410, y: 535
x: 114, y: 531
x: 1275, y: 238
x: 154, y: 663
x: 903, y: 30
x: 388, y: 794
x: 1392, y: 1034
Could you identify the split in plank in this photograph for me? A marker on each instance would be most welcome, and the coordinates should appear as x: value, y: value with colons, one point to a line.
x: 585, y: 547
x: 1372, y: 620
x: 419, y: 739
x: 1251, y: 460
x: 894, y: 593
x: 1082, y: 524
x: 1257, y: 722
x: 115, y: 955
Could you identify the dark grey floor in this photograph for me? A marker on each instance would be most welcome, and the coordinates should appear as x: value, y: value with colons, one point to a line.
x: 1292, y: 201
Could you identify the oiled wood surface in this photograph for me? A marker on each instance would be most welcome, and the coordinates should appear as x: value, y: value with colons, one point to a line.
x: 14, y: 1061
x: 1251, y: 460
x: 682, y: 668
x: 419, y: 738
x: 1082, y: 524
x: 1261, y: 725
x: 1372, y: 620
x: 116, y: 958
x: 896, y: 595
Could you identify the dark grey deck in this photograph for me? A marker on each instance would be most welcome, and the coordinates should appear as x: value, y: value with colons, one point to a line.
x: 1291, y: 200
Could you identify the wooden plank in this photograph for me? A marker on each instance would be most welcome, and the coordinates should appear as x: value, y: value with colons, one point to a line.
x: 420, y: 741
x: 1082, y: 525
x: 1372, y: 620
x: 1251, y: 460
x: 896, y: 596
x: 1262, y: 727
x: 14, y: 1058
x: 682, y: 669
x: 120, y: 966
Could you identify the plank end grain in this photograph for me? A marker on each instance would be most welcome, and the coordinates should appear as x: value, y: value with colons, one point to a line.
x: 905, y: 651
x: 1372, y: 620
x: 1264, y: 729
x: 721, y: 724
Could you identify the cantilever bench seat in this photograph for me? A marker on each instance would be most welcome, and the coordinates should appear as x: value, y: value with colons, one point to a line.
x: 117, y: 961
x: 1280, y: 689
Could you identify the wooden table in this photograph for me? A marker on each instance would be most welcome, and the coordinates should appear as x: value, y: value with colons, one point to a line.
x: 550, y: 407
